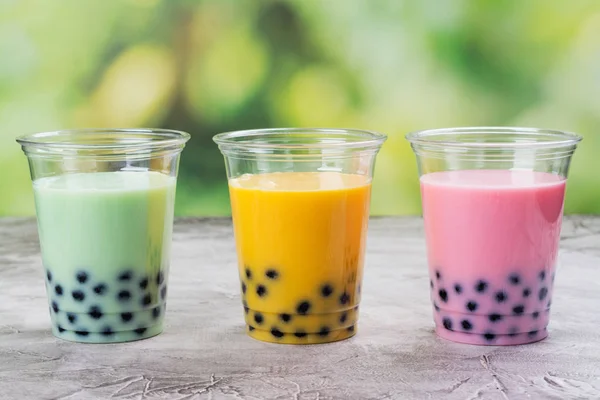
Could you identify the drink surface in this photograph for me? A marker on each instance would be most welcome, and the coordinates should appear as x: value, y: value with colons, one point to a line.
x: 300, y: 240
x: 105, y: 240
x: 492, y: 241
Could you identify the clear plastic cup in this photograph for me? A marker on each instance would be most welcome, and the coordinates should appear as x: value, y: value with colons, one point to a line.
x: 492, y: 208
x: 104, y: 202
x: 300, y: 204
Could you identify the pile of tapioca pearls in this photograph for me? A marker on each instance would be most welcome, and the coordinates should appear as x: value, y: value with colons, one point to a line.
x: 84, y: 306
x: 520, y: 306
x: 327, y: 315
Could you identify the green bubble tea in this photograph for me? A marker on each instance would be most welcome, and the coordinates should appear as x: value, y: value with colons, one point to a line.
x: 105, y: 240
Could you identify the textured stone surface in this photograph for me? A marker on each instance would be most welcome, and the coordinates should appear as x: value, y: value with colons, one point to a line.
x: 204, y: 352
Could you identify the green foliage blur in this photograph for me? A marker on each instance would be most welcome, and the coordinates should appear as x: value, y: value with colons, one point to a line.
x: 207, y: 66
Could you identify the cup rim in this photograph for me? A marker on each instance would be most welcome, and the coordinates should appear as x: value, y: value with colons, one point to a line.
x: 246, y: 138
x: 547, y: 138
x: 155, y: 138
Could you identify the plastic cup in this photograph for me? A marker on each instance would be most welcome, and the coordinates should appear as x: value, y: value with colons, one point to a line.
x: 492, y: 208
x: 300, y: 204
x: 104, y: 202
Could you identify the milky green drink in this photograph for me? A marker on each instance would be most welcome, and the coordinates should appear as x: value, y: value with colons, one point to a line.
x: 105, y: 240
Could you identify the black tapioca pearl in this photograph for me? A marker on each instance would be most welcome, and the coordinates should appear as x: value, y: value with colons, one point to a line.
x: 549, y: 304
x: 447, y: 322
x: 147, y: 299
x: 126, y: 316
x: 258, y: 318
x: 125, y: 276
x: 60, y: 329
x: 438, y: 276
x: 542, y: 275
x: 303, y: 307
x: 343, y: 318
x: 514, y: 332
x: 489, y: 336
x: 248, y: 273
x: 55, y: 307
x: 124, y: 295
x: 532, y: 333
x: 100, y: 289
x: 553, y: 276
x: 163, y: 292
x: 49, y: 275
x: 261, y: 290
x: 144, y: 283
x: 350, y: 328
x: 160, y: 277
x: 277, y: 333
x: 443, y: 295
x: 78, y: 295
x: 526, y: 292
x: 358, y: 288
x: 82, y: 277
x: 466, y: 325
x: 58, y: 290
x: 246, y: 309
x: 518, y: 310
x: 495, y: 317
x: 140, y: 331
x: 272, y: 274
x: 431, y: 283
x: 243, y: 288
x: 472, y: 306
x: 437, y: 308
x: 535, y: 314
x: 95, y: 312
x: 326, y: 290
x: 344, y: 298
x: 481, y: 286
x: 71, y: 317
x: 300, y: 334
x: 156, y: 312
x: 514, y: 279
x: 285, y: 317
x: 82, y: 333
x: 107, y: 331
x: 251, y: 328
x: 324, y: 331
x: 543, y: 293
x: 501, y: 297
x: 458, y: 289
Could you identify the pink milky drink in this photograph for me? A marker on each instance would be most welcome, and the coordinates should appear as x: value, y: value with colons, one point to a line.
x: 492, y: 207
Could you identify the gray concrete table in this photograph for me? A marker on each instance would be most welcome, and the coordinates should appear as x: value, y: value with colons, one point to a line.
x: 204, y: 352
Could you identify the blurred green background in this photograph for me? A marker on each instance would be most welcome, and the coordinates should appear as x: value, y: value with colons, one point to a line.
x: 207, y: 66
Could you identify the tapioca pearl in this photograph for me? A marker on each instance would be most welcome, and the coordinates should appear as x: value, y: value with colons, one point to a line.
x: 107, y: 331
x: 350, y: 328
x: 447, y: 322
x: 49, y: 275
x: 489, y: 336
x: 277, y: 333
x: 472, y: 306
x: 285, y: 317
x: 55, y: 306
x: 324, y: 331
x: 126, y: 316
x: 481, y: 286
x: 95, y: 312
x: 431, y: 283
x: 78, y: 295
x: 438, y: 276
x: 156, y: 312
x: 124, y: 295
x: 248, y: 273
x: 437, y: 308
x: 251, y: 328
x: 147, y: 299
x: 163, y: 292
x: 326, y: 290
x: 514, y: 279
x: 261, y: 290
x: 443, y: 295
x: 82, y: 332
x: 160, y: 278
x: 526, y: 292
x: 358, y: 288
x: 518, y: 310
x: 144, y: 283
x: 513, y: 332
x: 532, y: 333
x: 344, y: 298
x: 58, y: 290
x: 553, y: 276
x: 72, y: 317
x: 141, y: 330
x: 60, y: 328
x: 243, y: 288
x: 343, y: 318
x: 125, y: 276
x: 543, y: 293
x: 258, y: 318
x: 303, y: 307
x: 501, y: 296
x: 82, y: 277
x: 300, y: 334
x: 100, y: 289
x: 466, y: 325
x: 542, y: 275
x: 458, y: 289
x: 535, y: 314
x: 272, y: 273
x: 495, y: 317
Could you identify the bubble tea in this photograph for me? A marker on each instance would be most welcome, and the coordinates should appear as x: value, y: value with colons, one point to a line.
x: 492, y: 208
x: 104, y: 204
x: 300, y: 205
